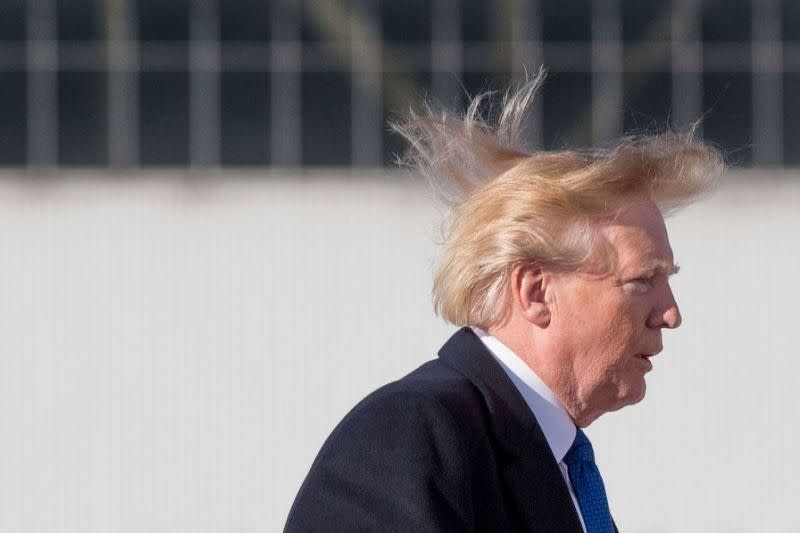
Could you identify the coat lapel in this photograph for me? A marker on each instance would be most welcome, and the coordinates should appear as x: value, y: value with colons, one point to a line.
x: 534, y: 480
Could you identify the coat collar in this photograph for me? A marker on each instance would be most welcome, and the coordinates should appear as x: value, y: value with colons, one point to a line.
x: 512, y: 420
x: 530, y: 469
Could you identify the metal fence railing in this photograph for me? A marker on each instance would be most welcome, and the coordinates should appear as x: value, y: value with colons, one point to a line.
x: 202, y: 83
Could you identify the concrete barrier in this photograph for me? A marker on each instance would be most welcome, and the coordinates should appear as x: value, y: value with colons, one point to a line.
x: 177, y: 348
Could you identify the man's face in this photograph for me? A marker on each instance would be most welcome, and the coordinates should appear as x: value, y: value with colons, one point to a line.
x: 607, y: 326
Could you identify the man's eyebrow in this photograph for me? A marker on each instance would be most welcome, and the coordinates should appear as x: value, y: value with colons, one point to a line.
x: 660, y: 265
x: 667, y: 267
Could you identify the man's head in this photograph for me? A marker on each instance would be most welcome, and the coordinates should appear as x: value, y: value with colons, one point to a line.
x: 562, y: 255
x: 590, y: 333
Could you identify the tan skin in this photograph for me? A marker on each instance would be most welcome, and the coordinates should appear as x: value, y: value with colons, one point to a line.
x: 589, y: 335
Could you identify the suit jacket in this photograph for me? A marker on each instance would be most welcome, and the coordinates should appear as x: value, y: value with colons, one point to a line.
x: 450, y: 447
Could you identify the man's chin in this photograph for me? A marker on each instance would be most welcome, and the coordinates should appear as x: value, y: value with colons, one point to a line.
x: 621, y: 396
x: 632, y: 395
x: 636, y: 394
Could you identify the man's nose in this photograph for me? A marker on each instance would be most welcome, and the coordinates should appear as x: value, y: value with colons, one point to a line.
x: 672, y: 316
x: 666, y: 315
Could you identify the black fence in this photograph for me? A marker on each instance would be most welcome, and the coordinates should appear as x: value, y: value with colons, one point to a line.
x: 207, y: 83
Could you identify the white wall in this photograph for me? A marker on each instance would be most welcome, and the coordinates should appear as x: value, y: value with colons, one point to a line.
x: 176, y: 351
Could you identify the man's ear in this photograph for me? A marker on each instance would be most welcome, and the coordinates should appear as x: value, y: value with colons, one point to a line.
x: 528, y: 285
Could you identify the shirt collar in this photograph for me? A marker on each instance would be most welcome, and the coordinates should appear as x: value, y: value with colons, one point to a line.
x: 557, y: 426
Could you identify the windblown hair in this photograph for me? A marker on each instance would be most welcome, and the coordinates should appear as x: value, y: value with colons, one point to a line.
x: 510, y: 207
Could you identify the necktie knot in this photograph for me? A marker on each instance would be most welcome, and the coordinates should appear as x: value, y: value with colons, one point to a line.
x: 581, y: 450
x: 588, y: 485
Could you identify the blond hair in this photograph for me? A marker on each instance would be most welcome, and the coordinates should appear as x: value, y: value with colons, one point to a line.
x: 509, y: 207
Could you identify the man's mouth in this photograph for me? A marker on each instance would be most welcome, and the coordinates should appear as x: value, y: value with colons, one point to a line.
x: 645, y: 358
x: 648, y: 355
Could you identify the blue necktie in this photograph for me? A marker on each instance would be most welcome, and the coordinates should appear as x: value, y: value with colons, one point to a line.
x: 588, y: 485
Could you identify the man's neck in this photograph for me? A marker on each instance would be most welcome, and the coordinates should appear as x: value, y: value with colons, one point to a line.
x: 547, y: 365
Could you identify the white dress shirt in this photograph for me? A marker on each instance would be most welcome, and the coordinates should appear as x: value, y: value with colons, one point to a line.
x: 557, y: 426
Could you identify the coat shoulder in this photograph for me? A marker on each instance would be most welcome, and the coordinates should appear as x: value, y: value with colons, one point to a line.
x: 433, y: 380
x: 432, y: 393
x: 400, y: 456
x: 433, y: 389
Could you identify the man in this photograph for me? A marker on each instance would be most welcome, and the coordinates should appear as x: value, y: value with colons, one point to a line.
x: 557, y: 265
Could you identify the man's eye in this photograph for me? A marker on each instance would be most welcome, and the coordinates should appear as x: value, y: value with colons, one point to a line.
x: 642, y: 283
